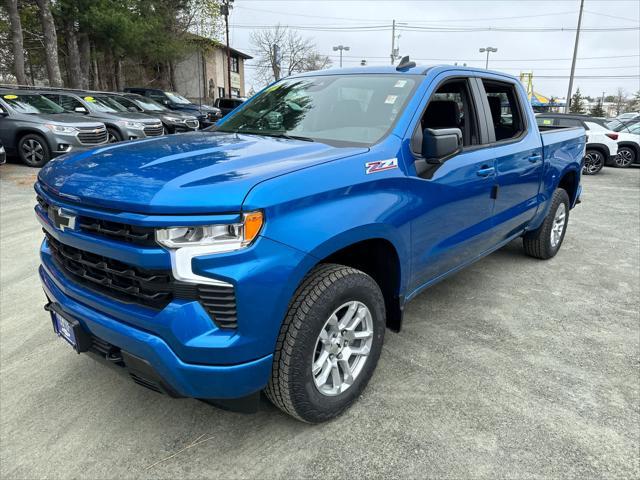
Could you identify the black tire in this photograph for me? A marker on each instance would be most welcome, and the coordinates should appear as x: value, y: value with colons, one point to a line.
x: 291, y: 387
x: 33, y: 150
x: 625, y: 157
x: 593, y: 162
x: 113, y: 135
x: 538, y: 243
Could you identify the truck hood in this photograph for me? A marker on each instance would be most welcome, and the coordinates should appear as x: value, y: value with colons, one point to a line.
x: 200, y: 172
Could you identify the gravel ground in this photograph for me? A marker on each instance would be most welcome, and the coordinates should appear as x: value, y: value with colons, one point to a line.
x: 512, y: 368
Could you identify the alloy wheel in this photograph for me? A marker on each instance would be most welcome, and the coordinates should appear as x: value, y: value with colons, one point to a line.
x: 593, y: 163
x: 342, y: 348
x: 33, y: 151
x: 624, y: 158
x: 112, y: 138
x: 557, y: 227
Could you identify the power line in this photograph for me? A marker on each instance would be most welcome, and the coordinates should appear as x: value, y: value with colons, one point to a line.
x: 409, y: 28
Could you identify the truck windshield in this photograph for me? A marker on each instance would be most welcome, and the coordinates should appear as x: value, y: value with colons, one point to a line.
x: 175, y: 98
x: 31, y: 103
x: 337, y: 109
x: 147, y: 104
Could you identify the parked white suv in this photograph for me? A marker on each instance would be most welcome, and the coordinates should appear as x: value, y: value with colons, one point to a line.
x: 628, y: 142
x: 602, y: 143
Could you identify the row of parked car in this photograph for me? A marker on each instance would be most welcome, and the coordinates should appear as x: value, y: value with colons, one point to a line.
x: 613, y: 142
x: 39, y: 124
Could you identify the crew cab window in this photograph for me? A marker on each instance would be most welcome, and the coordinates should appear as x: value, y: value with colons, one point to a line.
x: 568, y: 122
x: 506, y: 114
x: 451, y: 107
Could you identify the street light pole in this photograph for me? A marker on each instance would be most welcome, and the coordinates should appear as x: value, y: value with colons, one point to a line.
x: 488, y: 50
x: 225, y: 9
x: 341, y: 48
x: 567, y: 104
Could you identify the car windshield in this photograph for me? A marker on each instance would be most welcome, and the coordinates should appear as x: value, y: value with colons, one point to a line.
x: 147, y: 104
x: 337, y: 109
x: 101, y: 104
x: 112, y: 102
x: 176, y: 98
x: 31, y: 103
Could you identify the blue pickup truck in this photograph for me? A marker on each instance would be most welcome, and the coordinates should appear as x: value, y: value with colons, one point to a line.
x: 272, y: 252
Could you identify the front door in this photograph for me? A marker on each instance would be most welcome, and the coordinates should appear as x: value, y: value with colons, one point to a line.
x: 454, y: 223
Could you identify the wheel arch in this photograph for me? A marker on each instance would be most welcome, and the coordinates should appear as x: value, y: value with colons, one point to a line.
x: 570, y: 181
x: 633, y: 146
x: 599, y: 147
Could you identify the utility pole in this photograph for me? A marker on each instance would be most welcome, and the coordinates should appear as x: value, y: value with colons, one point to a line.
x: 394, y: 49
x: 573, y: 62
x: 225, y: 10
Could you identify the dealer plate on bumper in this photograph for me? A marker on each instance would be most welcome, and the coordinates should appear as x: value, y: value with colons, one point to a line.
x: 71, y: 331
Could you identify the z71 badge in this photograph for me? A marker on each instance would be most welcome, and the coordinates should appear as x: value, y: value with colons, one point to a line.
x: 381, y: 165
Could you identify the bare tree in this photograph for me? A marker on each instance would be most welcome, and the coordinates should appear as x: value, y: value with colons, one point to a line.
x: 50, y: 43
x: 620, y: 100
x: 297, y: 54
x: 17, y: 41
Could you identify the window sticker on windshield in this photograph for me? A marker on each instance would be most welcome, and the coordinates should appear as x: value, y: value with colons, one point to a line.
x: 10, y: 97
x: 546, y: 121
x: 90, y: 99
x: 391, y: 99
x: 400, y: 83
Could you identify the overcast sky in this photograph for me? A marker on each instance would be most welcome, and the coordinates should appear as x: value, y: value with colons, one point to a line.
x: 546, y: 53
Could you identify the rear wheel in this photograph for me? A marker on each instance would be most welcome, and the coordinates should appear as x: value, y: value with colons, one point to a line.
x: 33, y: 150
x: 593, y: 162
x: 329, y: 343
x: 545, y: 242
x: 626, y: 156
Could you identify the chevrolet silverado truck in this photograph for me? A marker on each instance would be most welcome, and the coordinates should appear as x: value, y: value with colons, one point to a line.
x: 272, y: 252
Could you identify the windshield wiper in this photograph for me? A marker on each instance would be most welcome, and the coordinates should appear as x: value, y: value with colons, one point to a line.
x: 288, y: 137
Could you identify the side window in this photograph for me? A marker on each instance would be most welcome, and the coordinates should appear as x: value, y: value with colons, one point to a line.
x: 158, y: 97
x: 506, y: 114
x: 568, y: 122
x: 451, y: 106
x: 68, y: 103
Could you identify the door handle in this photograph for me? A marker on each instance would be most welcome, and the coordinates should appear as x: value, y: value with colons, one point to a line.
x: 485, y: 171
x: 535, y: 158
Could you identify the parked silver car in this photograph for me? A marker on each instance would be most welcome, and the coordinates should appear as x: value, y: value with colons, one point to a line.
x: 120, y: 125
x: 37, y: 129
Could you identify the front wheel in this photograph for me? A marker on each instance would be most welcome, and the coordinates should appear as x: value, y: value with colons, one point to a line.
x: 33, y: 150
x: 626, y: 156
x: 545, y: 242
x: 329, y: 343
x: 593, y: 162
x: 113, y: 136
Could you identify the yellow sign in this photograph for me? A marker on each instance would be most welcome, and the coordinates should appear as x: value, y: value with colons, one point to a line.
x: 10, y: 97
x: 90, y: 99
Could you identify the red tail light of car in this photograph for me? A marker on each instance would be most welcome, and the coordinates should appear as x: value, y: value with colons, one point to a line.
x: 612, y: 136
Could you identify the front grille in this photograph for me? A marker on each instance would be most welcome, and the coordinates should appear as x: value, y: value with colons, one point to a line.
x: 220, y: 303
x: 192, y: 123
x: 92, y: 136
x: 143, y: 236
x: 152, y: 288
x: 153, y: 130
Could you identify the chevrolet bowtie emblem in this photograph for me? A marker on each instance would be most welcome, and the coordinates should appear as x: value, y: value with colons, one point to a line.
x: 61, y: 220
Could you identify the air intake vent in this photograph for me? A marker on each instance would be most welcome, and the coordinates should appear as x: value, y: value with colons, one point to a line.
x: 220, y: 302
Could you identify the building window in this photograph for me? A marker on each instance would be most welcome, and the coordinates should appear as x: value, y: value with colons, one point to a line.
x: 235, y: 65
x: 235, y: 92
x: 220, y: 92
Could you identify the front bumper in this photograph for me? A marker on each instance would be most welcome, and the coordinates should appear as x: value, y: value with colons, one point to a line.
x: 178, y: 378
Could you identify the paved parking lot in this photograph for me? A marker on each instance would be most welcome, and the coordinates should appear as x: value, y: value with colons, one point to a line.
x: 512, y: 368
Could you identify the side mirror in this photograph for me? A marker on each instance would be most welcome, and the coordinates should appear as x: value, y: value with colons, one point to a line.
x: 438, y: 145
x: 166, y: 102
x: 80, y: 110
x: 133, y: 109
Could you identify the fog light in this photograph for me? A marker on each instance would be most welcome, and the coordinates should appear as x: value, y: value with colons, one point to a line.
x: 63, y: 147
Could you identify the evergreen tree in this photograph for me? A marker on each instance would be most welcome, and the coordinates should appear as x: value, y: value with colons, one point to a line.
x: 598, y: 111
x: 577, y: 103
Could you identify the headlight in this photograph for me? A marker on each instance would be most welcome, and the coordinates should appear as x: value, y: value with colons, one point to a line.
x: 126, y: 123
x: 61, y: 129
x: 220, y: 238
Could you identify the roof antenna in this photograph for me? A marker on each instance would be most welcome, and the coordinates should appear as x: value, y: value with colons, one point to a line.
x: 405, y: 64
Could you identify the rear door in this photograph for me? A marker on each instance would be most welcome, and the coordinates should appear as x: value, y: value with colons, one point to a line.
x: 517, y: 150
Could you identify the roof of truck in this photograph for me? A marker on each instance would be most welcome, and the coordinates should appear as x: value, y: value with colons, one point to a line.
x: 392, y: 69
